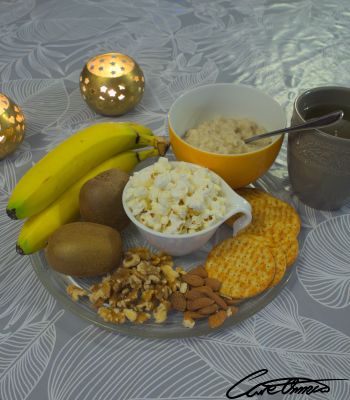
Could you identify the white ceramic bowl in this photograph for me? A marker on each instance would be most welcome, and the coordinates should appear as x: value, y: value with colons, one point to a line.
x: 181, y: 244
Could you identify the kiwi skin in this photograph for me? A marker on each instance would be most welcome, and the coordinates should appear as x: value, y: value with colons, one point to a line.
x: 100, y: 199
x: 84, y: 249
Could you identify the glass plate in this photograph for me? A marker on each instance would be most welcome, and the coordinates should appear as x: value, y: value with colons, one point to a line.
x: 57, y: 283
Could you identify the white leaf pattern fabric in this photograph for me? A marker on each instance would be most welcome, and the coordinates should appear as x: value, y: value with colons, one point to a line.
x: 281, y: 340
x: 172, y: 371
x: 13, y: 11
x: 33, y: 301
x: 24, y: 358
x: 282, y: 48
x: 324, y: 262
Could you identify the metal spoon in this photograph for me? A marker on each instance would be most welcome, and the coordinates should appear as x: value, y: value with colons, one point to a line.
x: 319, y: 122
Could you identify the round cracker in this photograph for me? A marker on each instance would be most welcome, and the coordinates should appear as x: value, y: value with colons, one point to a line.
x: 257, y: 196
x: 278, y: 238
x: 291, y: 250
x: 244, y: 264
x: 267, y: 210
x: 279, y: 256
x: 281, y: 265
x: 262, y: 239
x: 275, y: 230
x: 273, y: 219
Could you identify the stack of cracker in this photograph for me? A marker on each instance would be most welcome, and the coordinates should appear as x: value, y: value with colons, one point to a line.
x: 258, y: 257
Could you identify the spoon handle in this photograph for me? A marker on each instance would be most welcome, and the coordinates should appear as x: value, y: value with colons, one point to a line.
x: 318, y: 122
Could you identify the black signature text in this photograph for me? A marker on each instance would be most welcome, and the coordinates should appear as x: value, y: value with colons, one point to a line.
x: 290, y: 385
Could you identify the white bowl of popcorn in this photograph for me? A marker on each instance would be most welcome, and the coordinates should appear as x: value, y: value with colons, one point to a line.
x: 178, y: 206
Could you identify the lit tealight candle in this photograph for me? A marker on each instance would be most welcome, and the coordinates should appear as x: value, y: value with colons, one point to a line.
x: 112, y: 83
x: 12, y: 126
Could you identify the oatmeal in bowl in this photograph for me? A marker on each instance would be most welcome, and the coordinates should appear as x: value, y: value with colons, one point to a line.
x: 207, y: 126
x: 226, y: 136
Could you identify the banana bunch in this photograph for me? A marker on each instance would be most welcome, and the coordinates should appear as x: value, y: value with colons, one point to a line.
x: 48, y: 194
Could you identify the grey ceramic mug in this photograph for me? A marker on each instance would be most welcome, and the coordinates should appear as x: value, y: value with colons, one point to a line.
x: 319, y: 163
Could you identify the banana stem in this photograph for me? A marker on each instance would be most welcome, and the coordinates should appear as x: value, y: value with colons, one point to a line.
x: 162, y: 145
x: 158, y: 142
x: 144, y: 154
x: 147, y: 138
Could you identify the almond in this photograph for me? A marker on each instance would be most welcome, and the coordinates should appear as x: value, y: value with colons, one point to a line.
x: 178, y: 301
x: 230, y: 301
x: 213, y: 283
x: 209, y: 309
x: 193, y: 294
x: 217, y: 319
x: 200, y: 271
x: 193, y: 315
x: 218, y: 300
x: 196, y: 304
x: 193, y: 280
x: 204, y: 289
x: 208, y: 291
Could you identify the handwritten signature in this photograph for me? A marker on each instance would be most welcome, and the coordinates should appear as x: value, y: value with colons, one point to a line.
x: 296, y: 385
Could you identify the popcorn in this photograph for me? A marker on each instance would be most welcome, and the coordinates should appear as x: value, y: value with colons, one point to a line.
x: 165, y: 198
x: 140, y: 191
x: 162, y: 165
x: 162, y: 181
x: 180, y: 189
x: 153, y: 193
x: 196, y: 202
x: 137, y: 206
x: 175, y: 198
x: 181, y: 211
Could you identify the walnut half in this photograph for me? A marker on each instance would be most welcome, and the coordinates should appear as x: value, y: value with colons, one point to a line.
x: 75, y: 292
x: 136, y: 291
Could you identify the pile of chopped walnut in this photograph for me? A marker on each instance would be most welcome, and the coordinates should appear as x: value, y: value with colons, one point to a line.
x: 136, y: 291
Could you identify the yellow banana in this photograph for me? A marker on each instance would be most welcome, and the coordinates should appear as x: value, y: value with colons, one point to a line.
x: 72, y: 159
x: 37, y: 229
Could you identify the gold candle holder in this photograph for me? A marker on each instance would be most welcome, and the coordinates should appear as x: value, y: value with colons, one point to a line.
x: 112, y: 83
x: 12, y: 126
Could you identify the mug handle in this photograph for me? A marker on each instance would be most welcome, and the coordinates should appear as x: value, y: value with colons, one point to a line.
x: 243, y: 221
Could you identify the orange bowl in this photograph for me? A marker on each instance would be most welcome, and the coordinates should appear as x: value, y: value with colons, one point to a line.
x: 228, y: 100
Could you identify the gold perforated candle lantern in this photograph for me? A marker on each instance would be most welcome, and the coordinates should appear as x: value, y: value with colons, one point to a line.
x: 11, y: 126
x: 112, y: 83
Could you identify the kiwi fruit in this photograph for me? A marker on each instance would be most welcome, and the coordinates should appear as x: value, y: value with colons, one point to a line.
x: 84, y: 249
x: 100, y: 199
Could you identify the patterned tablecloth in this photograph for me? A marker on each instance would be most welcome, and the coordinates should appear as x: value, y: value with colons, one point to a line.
x: 282, y: 48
